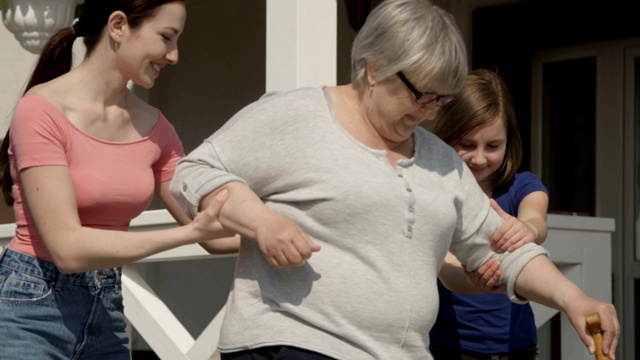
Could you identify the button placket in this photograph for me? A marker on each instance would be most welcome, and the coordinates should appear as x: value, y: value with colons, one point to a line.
x: 410, y: 214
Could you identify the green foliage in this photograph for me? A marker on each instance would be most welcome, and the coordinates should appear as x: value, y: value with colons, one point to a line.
x: 1, y: 4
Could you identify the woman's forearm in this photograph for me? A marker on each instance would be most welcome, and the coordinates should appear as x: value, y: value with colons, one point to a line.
x: 243, y: 210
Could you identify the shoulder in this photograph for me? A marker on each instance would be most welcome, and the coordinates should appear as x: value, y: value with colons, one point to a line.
x: 35, y: 119
x: 163, y: 127
x: 35, y: 102
x: 36, y: 108
x: 309, y: 96
x: 277, y: 109
x: 522, y: 184
x: 145, y: 114
x: 54, y: 92
x: 426, y: 140
x: 433, y: 153
x: 527, y: 178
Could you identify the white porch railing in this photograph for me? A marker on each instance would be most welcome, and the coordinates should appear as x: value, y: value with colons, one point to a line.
x: 150, y: 316
x: 579, y: 246
x: 145, y: 311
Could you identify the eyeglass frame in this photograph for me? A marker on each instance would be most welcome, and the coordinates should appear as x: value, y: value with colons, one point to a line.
x: 430, y: 96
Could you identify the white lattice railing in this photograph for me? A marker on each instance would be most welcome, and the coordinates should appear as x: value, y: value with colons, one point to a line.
x: 579, y: 246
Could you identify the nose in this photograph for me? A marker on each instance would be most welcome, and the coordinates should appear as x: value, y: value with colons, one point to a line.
x: 172, y: 55
x: 478, y: 158
x: 430, y: 110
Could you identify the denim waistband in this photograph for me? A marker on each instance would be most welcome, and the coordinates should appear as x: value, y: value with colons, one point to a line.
x: 525, y: 353
x: 31, y: 265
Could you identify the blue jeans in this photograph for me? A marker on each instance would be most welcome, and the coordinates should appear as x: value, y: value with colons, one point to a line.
x: 45, y: 314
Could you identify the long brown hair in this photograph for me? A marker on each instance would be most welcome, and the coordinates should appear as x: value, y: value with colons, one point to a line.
x: 56, y: 57
x: 484, y: 97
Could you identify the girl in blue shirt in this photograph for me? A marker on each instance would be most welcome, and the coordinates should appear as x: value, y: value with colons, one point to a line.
x: 480, y: 125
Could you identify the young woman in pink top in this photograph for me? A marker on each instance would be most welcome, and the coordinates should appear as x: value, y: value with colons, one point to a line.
x: 83, y: 157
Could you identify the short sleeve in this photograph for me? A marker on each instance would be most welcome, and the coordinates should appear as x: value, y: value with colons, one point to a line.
x: 37, y: 134
x: 171, y: 151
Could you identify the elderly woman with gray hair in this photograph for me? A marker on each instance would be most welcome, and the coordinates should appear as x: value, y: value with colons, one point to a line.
x: 346, y: 174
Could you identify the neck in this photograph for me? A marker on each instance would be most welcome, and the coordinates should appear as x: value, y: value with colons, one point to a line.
x: 99, y: 79
x: 99, y: 87
x: 356, y: 117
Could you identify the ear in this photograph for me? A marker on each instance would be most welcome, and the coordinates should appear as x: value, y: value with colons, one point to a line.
x: 371, y: 76
x: 117, y: 26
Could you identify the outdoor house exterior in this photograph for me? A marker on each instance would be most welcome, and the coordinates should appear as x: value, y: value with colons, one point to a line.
x: 574, y: 76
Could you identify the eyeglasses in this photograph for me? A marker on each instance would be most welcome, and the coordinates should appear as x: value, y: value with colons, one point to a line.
x: 424, y: 98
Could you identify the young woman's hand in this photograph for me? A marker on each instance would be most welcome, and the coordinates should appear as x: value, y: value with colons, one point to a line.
x: 206, y: 223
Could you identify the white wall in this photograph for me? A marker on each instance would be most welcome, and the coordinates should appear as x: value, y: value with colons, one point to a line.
x: 16, y: 64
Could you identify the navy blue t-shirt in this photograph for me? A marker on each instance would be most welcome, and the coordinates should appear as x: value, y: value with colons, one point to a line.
x: 488, y: 323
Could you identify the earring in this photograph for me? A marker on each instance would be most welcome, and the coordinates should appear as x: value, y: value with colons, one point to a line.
x: 116, y: 42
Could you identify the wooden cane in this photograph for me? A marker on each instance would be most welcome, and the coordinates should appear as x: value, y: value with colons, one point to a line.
x: 593, y: 323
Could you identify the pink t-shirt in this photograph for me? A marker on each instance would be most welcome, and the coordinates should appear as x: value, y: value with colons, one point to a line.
x: 114, y: 181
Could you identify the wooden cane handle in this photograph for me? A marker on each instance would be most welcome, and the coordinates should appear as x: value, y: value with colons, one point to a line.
x: 593, y: 323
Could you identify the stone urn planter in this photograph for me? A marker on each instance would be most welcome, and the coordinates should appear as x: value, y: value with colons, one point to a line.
x: 33, y: 22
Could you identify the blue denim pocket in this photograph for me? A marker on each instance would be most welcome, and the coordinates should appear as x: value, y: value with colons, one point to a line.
x: 20, y: 287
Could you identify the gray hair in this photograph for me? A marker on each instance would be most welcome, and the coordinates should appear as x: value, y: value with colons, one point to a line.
x: 414, y: 36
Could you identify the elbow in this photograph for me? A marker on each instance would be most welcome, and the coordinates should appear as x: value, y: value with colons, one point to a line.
x: 174, y: 188
x: 179, y: 191
x: 66, y: 261
x: 67, y: 265
x: 222, y: 246
x: 221, y: 251
x: 542, y: 236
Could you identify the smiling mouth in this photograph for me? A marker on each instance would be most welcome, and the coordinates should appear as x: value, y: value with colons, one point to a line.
x: 414, y: 119
x: 156, y: 68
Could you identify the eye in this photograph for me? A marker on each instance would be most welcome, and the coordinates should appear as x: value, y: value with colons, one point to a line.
x: 165, y: 37
x: 465, y: 146
x: 495, y: 146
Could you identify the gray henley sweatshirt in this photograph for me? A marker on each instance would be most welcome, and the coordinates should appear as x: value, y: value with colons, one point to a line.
x: 370, y: 293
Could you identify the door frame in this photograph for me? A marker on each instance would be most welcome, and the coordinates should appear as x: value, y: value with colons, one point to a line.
x: 615, y: 160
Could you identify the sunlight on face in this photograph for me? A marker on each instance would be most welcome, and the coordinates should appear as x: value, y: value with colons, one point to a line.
x: 483, y: 149
x: 154, y: 45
